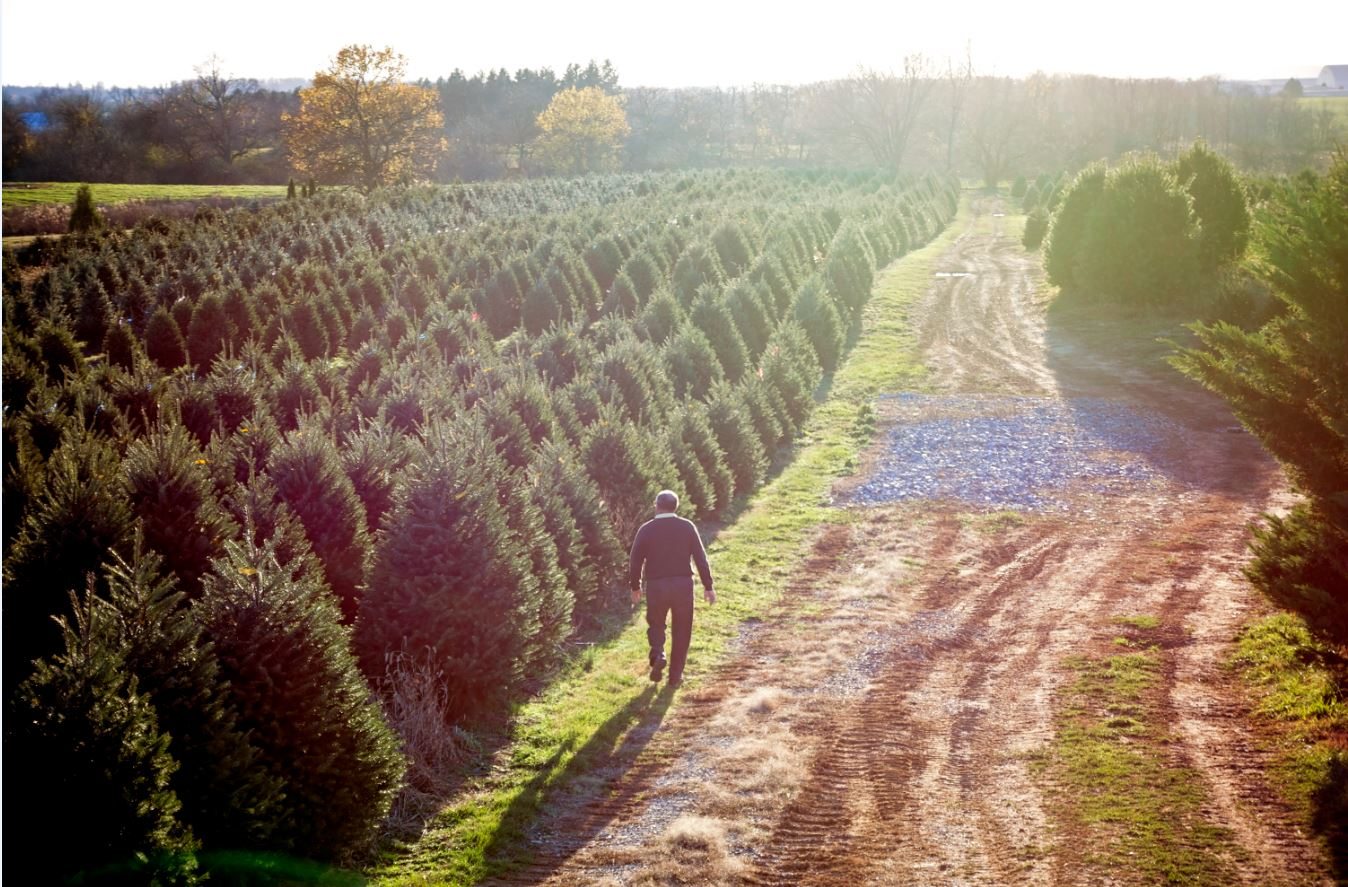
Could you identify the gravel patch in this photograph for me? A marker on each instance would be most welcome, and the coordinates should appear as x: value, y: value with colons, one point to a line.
x: 1008, y: 452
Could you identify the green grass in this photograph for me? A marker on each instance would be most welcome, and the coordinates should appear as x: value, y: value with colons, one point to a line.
x: 1126, y: 806
x: 594, y: 720
x: 37, y: 193
x: 1297, y: 684
x: 1334, y: 105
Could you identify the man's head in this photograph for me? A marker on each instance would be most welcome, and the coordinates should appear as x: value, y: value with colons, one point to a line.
x: 667, y: 500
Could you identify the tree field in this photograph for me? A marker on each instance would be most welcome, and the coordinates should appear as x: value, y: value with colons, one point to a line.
x: 357, y: 439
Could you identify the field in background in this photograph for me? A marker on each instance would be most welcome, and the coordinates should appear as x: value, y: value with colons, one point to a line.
x: 40, y: 193
x: 1335, y: 105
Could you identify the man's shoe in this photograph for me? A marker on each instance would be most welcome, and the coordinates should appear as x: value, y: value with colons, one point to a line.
x: 657, y: 669
x: 675, y: 682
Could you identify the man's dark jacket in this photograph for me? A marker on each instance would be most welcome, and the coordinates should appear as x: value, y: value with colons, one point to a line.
x: 665, y: 544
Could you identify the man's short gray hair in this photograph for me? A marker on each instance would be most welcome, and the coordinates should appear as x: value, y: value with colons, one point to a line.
x: 667, y: 500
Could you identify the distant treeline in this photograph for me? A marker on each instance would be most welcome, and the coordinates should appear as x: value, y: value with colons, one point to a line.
x: 218, y: 129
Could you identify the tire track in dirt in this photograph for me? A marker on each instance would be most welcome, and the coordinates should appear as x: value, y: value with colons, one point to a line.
x: 883, y: 726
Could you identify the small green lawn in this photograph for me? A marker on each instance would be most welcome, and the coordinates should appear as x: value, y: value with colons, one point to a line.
x: 1126, y: 804
x: 38, y: 193
x: 1297, y: 684
x: 590, y: 721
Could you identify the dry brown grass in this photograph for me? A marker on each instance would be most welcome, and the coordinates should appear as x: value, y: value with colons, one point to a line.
x: 416, y: 699
x: 693, y: 850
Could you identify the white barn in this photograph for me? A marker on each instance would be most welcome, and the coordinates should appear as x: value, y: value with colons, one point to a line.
x: 1333, y: 77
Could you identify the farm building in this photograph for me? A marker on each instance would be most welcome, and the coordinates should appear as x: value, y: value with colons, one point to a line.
x: 1333, y: 77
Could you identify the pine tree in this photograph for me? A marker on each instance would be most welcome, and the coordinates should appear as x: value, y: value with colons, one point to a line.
x: 695, y: 434
x: 450, y: 580
x: 309, y: 478
x: 731, y: 421
x: 374, y: 457
x: 121, y: 347
x: 1219, y: 203
x: 661, y: 317
x: 1287, y: 381
x: 792, y: 373
x: 169, y: 488
x: 84, y: 216
x: 164, y: 343
x: 208, y: 333
x: 230, y: 800
x: 815, y: 312
x: 80, y: 514
x: 644, y: 274
x: 691, y: 363
x: 558, y: 471
x: 299, y: 697
x: 82, y: 722
x: 628, y: 465
x: 710, y: 314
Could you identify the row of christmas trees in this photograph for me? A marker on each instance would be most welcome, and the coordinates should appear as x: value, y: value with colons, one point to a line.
x: 254, y: 460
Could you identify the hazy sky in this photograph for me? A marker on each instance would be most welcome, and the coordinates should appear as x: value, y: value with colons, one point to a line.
x: 670, y: 43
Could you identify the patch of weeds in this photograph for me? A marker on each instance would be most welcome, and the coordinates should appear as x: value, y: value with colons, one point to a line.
x: 1118, y: 798
x: 1297, y: 683
x: 994, y: 522
x: 1142, y: 622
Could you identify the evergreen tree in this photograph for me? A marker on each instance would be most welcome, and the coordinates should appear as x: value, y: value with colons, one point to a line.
x: 450, y: 580
x: 1288, y: 381
x: 79, y: 516
x: 558, y: 471
x: 695, y: 434
x: 629, y: 466
x: 555, y: 599
x: 93, y: 316
x: 164, y: 343
x: 753, y: 320
x: 208, y: 333
x: 169, y: 488
x: 1063, y: 244
x: 1219, y: 203
x: 691, y: 363
x: 309, y: 478
x: 713, y: 318
x: 698, y: 268
x: 644, y: 274
x: 1141, y: 241
x: 57, y: 352
x: 229, y: 798
x: 792, y: 373
x: 82, y: 722
x: 374, y: 457
x: 84, y: 216
x: 661, y: 317
x: 731, y: 421
x: 850, y: 269
x: 120, y: 346
x: 299, y: 697
x: 815, y: 312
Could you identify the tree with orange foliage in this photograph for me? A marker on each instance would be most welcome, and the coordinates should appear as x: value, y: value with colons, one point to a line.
x: 361, y: 124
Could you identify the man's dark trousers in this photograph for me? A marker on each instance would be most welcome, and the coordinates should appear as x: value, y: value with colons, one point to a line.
x: 663, y: 596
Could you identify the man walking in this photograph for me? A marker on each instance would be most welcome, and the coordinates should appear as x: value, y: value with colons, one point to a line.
x: 664, y: 546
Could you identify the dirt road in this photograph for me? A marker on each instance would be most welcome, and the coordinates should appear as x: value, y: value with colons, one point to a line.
x: 890, y: 723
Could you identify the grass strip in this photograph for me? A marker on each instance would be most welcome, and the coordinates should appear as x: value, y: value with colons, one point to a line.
x: 1297, y: 685
x: 592, y: 722
x: 1120, y: 801
x: 108, y: 194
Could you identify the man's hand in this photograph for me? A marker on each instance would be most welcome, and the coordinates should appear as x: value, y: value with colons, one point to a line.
x: 710, y: 595
x: 636, y: 595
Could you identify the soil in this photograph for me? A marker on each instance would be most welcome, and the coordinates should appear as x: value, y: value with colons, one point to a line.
x: 882, y: 726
